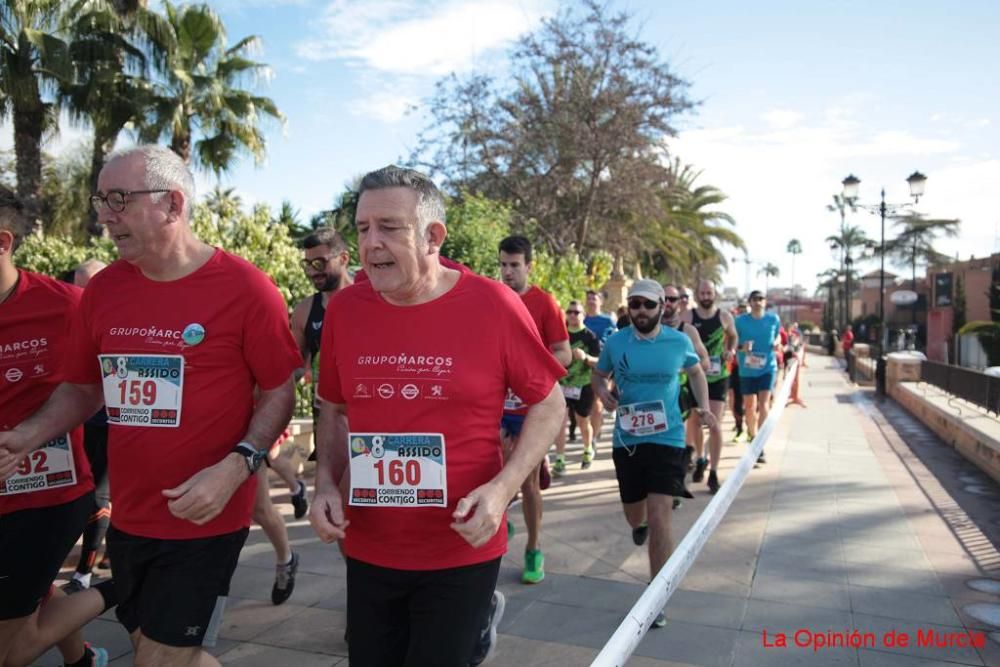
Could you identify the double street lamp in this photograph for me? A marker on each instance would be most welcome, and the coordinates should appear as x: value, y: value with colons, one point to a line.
x: 917, y: 182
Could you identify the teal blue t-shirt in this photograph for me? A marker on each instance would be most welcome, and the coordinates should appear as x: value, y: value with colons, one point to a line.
x: 763, y: 333
x: 646, y: 373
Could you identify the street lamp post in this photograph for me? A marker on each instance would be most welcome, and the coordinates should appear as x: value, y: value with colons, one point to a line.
x: 917, y: 182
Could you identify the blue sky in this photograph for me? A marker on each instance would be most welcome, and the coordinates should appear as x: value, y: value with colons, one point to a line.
x: 794, y: 96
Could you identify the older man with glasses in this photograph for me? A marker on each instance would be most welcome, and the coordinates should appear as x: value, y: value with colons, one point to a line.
x: 576, y: 389
x: 173, y: 338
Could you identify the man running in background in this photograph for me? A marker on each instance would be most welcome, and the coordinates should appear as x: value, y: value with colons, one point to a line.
x: 576, y: 386
x: 603, y: 325
x: 515, y: 266
x: 758, y: 341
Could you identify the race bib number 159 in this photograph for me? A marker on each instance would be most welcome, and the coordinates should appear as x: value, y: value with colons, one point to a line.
x: 398, y: 470
x: 143, y: 390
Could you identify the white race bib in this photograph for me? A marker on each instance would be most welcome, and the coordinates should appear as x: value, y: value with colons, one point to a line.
x: 755, y: 361
x: 513, y: 402
x: 48, y: 467
x: 642, y: 418
x: 143, y: 389
x: 398, y: 470
x: 714, y: 366
x: 572, y: 393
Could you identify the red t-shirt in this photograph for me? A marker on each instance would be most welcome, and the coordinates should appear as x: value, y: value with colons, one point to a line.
x: 847, y: 341
x: 548, y: 318
x: 183, y: 358
x: 441, y: 367
x: 34, y: 324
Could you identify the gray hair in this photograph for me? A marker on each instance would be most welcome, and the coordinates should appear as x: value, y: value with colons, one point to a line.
x: 430, y: 201
x: 165, y: 170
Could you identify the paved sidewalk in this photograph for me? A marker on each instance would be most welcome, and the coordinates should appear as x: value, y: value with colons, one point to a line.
x: 844, y: 529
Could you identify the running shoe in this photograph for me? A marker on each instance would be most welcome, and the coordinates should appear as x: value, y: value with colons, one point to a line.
x: 488, y: 635
x: 98, y: 656
x: 660, y: 620
x: 73, y: 586
x: 299, y: 502
x: 588, y: 458
x: 761, y: 460
x: 559, y: 467
x: 678, y: 503
x: 544, y: 476
x: 699, y: 470
x: 284, y: 580
x: 713, y: 482
x: 639, y: 534
x: 738, y: 438
x: 534, y: 566
x: 104, y: 563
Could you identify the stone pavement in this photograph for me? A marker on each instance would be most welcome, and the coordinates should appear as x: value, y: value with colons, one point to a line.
x: 861, y: 520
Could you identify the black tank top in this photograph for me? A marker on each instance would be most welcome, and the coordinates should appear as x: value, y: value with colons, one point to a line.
x: 314, y: 325
x: 713, y: 337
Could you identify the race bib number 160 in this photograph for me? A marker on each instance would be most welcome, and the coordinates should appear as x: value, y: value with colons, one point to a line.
x: 398, y: 470
x: 143, y: 390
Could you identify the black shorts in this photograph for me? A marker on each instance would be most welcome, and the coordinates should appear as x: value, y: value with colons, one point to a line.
x: 173, y: 590
x: 583, y: 405
x: 417, y: 617
x: 35, y: 543
x: 650, y: 468
x: 717, y: 390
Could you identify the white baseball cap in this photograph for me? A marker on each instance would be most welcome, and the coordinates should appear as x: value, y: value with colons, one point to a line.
x: 649, y: 289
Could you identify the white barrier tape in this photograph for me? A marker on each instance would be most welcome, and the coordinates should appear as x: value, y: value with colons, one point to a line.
x: 637, y: 622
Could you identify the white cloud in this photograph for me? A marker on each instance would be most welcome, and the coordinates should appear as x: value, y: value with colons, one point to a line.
x: 782, y: 118
x: 408, y: 37
x: 386, y: 105
x: 780, y: 176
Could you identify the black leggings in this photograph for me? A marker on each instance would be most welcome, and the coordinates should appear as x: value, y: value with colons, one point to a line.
x: 95, y: 443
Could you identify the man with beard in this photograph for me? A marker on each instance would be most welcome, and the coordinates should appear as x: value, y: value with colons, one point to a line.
x: 717, y: 331
x: 646, y: 360
x: 325, y: 259
x: 515, y: 265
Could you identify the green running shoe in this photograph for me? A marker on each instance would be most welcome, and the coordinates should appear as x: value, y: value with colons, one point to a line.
x: 559, y: 467
x: 534, y: 566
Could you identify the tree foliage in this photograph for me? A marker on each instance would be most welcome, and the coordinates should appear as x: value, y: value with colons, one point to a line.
x: 54, y: 255
x: 914, y: 245
x: 575, y: 142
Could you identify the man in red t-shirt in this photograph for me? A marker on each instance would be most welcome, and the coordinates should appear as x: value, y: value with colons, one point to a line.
x: 414, y: 366
x: 173, y: 338
x: 515, y: 267
x: 45, y: 497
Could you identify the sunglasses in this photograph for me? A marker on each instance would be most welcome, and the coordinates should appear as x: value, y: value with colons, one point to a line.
x: 636, y: 304
x: 684, y: 296
x: 672, y: 299
x: 316, y: 264
x: 573, y: 312
x: 757, y: 298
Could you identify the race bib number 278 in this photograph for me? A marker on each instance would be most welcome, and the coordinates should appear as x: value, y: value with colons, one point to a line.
x: 143, y: 390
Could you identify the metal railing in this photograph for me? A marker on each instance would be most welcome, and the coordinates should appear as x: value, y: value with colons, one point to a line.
x: 969, y: 385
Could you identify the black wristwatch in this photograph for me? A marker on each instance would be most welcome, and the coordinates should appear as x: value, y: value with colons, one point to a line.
x: 253, y: 456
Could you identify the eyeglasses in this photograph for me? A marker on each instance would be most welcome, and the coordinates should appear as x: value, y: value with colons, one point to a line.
x: 116, y: 199
x: 636, y: 304
x: 684, y: 296
x: 756, y: 298
x: 671, y: 299
x: 573, y: 312
x: 316, y: 263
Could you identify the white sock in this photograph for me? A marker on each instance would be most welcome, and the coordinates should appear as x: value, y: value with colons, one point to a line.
x: 84, y: 579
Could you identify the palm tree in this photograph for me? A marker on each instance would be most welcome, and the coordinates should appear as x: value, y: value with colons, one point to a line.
x: 793, y: 248
x: 688, y: 241
x: 850, y: 238
x: 33, y: 61
x: 769, y: 271
x: 915, y: 242
x: 208, y: 117
x: 112, y: 46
